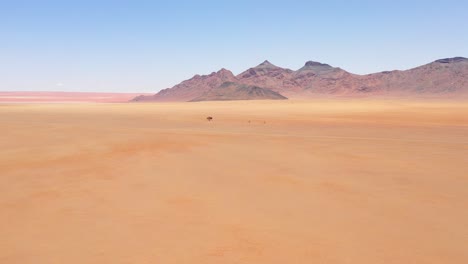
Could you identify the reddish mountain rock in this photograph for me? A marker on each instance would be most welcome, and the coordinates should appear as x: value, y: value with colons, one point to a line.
x: 444, y: 77
x: 316, y: 77
x: 192, y: 88
x: 235, y: 91
x: 269, y: 76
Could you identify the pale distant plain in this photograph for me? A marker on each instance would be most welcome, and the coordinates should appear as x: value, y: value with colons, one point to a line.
x: 317, y: 181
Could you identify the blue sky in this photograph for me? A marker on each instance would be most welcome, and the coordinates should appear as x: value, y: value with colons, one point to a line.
x: 145, y: 46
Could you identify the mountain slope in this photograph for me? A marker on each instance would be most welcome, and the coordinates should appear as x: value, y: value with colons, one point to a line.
x: 441, y: 77
x: 269, y: 76
x: 192, y: 88
x: 316, y: 77
x: 235, y: 91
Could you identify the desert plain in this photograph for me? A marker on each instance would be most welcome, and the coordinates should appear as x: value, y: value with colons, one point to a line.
x: 317, y: 181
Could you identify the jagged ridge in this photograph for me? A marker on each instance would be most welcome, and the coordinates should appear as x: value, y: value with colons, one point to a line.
x: 442, y: 77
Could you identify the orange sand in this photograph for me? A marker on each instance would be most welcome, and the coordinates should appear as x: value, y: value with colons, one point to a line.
x: 359, y: 181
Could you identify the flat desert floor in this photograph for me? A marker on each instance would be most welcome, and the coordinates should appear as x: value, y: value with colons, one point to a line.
x: 321, y: 181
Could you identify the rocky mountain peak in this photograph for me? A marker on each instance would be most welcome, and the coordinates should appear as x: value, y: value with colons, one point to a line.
x: 266, y: 64
x: 452, y: 60
x: 316, y: 64
x: 224, y: 72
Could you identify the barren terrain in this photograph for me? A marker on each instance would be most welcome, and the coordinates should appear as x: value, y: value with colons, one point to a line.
x: 320, y: 181
x: 62, y: 97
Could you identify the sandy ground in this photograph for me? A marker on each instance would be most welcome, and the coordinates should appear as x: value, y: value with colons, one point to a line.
x: 359, y: 181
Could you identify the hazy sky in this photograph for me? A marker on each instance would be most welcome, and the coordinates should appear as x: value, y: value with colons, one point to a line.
x: 145, y: 46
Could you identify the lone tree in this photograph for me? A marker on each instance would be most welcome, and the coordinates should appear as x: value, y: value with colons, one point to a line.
x: 209, y: 118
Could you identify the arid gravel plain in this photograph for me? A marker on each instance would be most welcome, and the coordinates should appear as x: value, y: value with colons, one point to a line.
x: 320, y: 181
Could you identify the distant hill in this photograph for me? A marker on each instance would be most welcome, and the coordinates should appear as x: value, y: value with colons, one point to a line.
x: 236, y: 91
x: 441, y: 78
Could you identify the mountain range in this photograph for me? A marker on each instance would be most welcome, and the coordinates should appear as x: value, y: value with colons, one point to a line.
x: 445, y: 77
